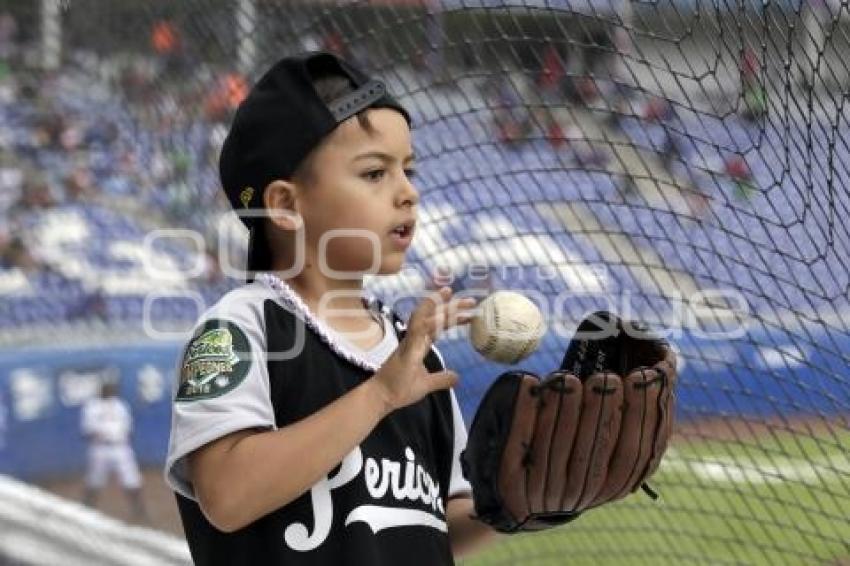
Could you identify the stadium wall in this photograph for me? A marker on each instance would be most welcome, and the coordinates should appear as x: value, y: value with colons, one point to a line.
x: 41, y: 391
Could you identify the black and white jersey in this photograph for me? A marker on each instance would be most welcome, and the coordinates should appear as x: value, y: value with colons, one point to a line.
x: 260, y: 359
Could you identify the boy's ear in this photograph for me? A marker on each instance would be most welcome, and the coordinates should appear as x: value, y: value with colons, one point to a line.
x: 281, y: 196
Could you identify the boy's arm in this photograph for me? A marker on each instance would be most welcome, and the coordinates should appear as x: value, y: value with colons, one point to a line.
x: 465, y: 533
x: 274, y: 468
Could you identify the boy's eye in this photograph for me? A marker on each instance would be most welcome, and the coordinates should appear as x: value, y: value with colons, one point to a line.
x: 373, y: 175
x: 411, y: 173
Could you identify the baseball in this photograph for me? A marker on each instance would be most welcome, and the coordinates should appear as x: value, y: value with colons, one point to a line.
x: 506, y: 328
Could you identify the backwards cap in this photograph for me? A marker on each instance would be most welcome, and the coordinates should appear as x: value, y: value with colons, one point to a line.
x: 279, y: 123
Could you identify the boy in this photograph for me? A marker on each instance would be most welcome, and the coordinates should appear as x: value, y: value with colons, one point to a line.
x: 310, y: 426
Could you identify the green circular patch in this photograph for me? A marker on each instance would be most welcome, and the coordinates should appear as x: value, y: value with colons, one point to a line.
x: 217, y: 360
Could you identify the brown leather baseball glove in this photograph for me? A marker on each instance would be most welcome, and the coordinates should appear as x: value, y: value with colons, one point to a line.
x: 542, y: 451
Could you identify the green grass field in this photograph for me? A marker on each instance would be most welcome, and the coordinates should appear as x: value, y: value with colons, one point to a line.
x: 778, y: 500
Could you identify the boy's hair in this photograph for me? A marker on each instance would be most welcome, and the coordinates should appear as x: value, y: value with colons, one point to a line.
x: 290, y: 110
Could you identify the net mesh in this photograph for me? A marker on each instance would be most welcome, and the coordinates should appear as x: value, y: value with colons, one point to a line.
x: 682, y: 162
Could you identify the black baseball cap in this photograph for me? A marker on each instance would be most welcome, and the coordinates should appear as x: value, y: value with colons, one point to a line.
x: 279, y: 123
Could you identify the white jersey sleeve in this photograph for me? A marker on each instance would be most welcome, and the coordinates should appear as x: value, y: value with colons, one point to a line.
x: 88, y: 417
x: 128, y: 417
x: 222, y: 383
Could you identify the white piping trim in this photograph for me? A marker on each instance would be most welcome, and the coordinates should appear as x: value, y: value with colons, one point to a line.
x: 298, y: 307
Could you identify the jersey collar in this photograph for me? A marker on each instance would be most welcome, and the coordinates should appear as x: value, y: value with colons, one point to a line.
x: 297, y: 306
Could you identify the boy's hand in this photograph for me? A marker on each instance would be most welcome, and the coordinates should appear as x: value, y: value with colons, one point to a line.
x: 403, y: 379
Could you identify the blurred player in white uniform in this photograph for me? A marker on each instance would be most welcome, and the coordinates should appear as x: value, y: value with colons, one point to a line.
x: 107, y: 423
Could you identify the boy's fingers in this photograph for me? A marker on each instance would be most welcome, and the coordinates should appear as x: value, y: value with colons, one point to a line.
x: 414, y: 347
x: 460, y: 311
x: 422, y: 320
x: 420, y: 329
x: 429, y: 305
x: 432, y: 316
x: 441, y: 380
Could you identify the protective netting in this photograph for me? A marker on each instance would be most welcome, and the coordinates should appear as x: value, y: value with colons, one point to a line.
x: 680, y: 162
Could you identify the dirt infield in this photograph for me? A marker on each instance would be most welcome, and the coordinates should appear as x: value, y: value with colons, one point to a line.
x: 159, y: 500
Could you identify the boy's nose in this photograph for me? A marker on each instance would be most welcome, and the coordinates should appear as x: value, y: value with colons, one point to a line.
x: 407, y: 194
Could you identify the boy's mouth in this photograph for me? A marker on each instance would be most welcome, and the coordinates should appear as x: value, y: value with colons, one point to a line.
x: 402, y: 234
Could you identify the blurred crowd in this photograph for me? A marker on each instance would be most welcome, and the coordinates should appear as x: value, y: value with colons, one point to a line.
x: 123, y: 134
x: 139, y: 135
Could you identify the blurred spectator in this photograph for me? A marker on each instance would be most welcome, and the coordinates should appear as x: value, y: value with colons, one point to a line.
x: 8, y: 96
x: 49, y: 128
x: 657, y: 109
x: 79, y: 185
x: 167, y: 44
x: 214, y: 142
x: 591, y: 157
x: 555, y: 133
x: 102, y: 131
x: 160, y: 169
x: 600, y: 51
x: 594, y: 70
x: 671, y: 150
x: 137, y: 85
x: 333, y: 42
x: 699, y: 203
x: 585, y: 66
x: 619, y: 108
x: 181, y: 199
x: 11, y: 181
x: 552, y: 74
x: 739, y: 172
x: 752, y: 90
x: 550, y: 85
x: 92, y: 306
x: 8, y: 35
x: 36, y: 193
x: 223, y: 99
x: 587, y: 90
x: 430, y: 62
x: 164, y: 38
x: 15, y: 255
x: 106, y: 423
x: 469, y: 57
x: 511, y: 117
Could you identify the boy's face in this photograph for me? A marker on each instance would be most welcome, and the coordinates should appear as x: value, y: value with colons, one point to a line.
x: 360, y: 182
